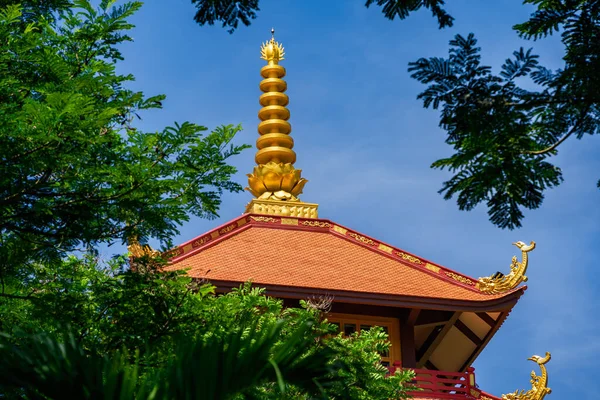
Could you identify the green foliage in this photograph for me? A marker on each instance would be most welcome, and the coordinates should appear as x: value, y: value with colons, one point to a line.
x: 34, y: 9
x: 488, y: 129
x: 231, y: 12
x: 162, y: 334
x: 216, y: 368
x: 59, y: 369
x: 502, y: 134
x: 106, y: 305
x: 74, y: 168
x: 243, y: 359
x: 361, y: 352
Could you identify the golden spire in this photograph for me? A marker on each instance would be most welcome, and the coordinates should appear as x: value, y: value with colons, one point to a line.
x: 275, y: 143
x: 274, y: 181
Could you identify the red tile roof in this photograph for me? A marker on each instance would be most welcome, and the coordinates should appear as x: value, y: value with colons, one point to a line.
x: 319, y: 254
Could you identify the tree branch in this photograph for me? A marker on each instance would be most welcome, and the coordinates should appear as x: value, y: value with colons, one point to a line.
x: 31, y: 151
x: 562, y: 139
x: 15, y: 296
x: 554, y: 146
x: 165, y: 326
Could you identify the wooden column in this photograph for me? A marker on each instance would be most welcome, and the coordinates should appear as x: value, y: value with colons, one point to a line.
x: 407, y: 338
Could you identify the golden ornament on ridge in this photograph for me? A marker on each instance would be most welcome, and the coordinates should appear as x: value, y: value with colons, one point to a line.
x: 138, y: 250
x: 500, y: 283
x: 539, y: 384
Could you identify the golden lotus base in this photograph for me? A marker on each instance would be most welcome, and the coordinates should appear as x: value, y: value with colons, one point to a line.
x: 283, y: 208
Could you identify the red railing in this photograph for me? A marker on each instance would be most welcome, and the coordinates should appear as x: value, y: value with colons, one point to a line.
x: 444, y: 385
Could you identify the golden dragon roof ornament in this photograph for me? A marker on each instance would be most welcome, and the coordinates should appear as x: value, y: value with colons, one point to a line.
x: 539, y: 384
x: 274, y: 182
x: 500, y: 283
x: 138, y: 250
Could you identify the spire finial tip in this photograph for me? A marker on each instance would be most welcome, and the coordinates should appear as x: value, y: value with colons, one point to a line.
x: 272, y: 51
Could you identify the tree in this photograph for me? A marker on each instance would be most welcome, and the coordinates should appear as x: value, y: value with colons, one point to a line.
x: 75, y: 171
x: 503, y: 135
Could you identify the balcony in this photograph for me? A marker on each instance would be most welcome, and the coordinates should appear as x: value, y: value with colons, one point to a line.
x: 436, y: 385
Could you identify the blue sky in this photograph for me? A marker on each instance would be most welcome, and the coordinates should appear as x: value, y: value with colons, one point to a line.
x: 365, y: 144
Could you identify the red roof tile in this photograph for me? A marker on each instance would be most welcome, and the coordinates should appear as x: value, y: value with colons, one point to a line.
x: 319, y: 254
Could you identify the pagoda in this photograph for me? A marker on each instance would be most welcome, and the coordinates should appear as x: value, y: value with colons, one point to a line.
x: 438, y: 320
